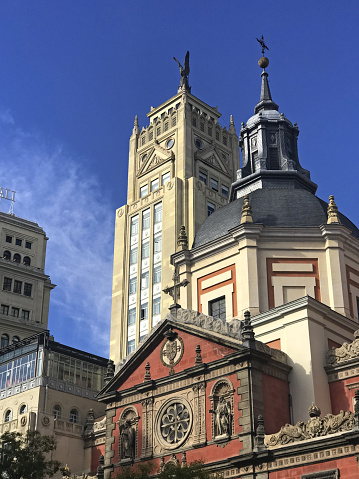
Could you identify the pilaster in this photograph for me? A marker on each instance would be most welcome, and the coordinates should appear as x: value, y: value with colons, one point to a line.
x: 334, y: 236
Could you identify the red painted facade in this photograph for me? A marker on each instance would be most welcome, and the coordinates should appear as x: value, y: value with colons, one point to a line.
x: 347, y: 466
x: 210, y: 351
x: 276, y: 403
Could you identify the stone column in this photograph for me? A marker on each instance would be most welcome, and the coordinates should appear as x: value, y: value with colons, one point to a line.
x: 147, y: 427
x: 199, y: 436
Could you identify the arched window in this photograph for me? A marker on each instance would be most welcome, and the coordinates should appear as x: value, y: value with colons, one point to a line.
x: 17, y: 258
x: 26, y: 261
x: 7, y: 255
x: 7, y: 415
x: 15, y: 339
x: 74, y: 415
x: 23, y: 409
x: 4, y: 340
x: 57, y: 411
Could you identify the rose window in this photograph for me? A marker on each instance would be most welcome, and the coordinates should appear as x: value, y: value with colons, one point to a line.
x: 174, y: 423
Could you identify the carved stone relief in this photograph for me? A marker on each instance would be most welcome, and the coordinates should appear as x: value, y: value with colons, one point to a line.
x: 171, y: 353
x: 345, y: 353
x: 147, y: 429
x: 173, y: 423
x: 315, y: 427
x: 199, y: 421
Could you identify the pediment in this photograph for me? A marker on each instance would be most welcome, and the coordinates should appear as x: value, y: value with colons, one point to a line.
x: 156, y: 156
x: 212, y: 157
x: 157, y: 347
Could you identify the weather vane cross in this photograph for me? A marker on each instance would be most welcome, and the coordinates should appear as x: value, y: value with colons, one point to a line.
x: 263, y: 45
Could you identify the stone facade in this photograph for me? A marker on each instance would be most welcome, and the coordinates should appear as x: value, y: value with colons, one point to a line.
x: 25, y: 288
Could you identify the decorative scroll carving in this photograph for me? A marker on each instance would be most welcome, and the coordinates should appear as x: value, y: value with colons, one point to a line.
x: 128, y: 434
x: 346, y: 352
x: 229, y: 328
x: 315, y: 427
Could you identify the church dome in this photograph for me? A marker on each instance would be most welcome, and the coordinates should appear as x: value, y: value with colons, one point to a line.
x: 268, y: 115
x: 286, y: 208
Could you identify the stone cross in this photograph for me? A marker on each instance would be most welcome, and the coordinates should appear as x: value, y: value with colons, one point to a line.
x: 174, y: 291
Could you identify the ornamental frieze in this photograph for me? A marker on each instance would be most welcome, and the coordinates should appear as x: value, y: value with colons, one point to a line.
x: 316, y: 426
x: 346, y: 352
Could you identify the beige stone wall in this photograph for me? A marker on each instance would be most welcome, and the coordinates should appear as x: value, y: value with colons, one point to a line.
x: 199, y: 144
x: 40, y: 402
x: 36, y: 307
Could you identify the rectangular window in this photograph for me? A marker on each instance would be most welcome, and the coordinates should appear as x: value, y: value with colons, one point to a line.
x: 145, y: 250
x: 217, y: 308
x: 146, y: 219
x: 28, y: 245
x: 133, y: 255
x: 130, y: 346
x: 151, y: 135
x: 201, y: 126
x: 145, y: 277
x: 225, y: 191
x: 194, y: 121
x: 328, y: 474
x: 18, y: 242
x: 144, y: 311
x: 157, y: 274
x: 214, y: 184
x: 154, y: 184
x: 210, y: 209
x: 158, y: 213
x: 143, y: 191
x: 7, y: 284
x: 27, y: 289
x: 132, y: 316
x: 142, y: 337
x: 210, y: 131
x: 203, y: 177
x: 4, y: 309
x: 25, y: 314
x: 174, y: 120
x: 8, y: 239
x: 134, y: 226
x: 225, y: 140
x: 18, y: 286
x: 217, y: 135
x: 133, y: 285
x: 156, y: 306
x: 166, y: 126
x: 166, y: 177
x: 158, y: 244
x: 15, y: 312
x: 158, y: 131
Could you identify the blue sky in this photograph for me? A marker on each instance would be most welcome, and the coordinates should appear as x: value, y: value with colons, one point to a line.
x: 74, y: 73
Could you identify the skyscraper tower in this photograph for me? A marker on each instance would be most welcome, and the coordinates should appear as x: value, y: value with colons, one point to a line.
x: 180, y: 170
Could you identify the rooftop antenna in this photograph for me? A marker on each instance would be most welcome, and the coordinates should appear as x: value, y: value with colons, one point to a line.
x: 5, y: 194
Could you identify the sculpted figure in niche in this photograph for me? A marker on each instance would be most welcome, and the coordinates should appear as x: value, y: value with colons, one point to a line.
x: 127, y: 437
x: 223, y: 417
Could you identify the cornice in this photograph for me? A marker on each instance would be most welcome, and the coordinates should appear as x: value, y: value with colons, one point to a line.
x: 306, y: 302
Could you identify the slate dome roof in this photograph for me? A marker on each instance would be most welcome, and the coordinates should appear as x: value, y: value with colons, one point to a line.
x: 287, y: 208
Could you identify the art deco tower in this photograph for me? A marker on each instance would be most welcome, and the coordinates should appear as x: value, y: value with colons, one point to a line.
x: 180, y: 170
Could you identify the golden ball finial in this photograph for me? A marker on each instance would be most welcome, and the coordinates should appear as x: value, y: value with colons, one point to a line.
x: 263, y: 62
